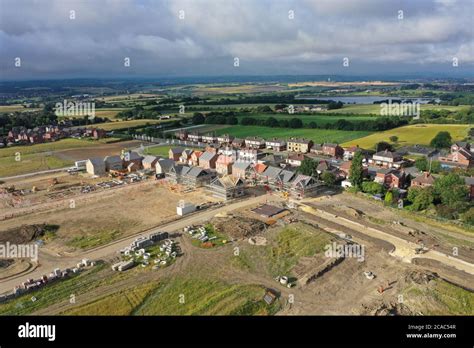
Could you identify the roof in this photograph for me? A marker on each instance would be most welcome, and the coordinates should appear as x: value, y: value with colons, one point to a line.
x: 207, y: 156
x: 176, y: 150
x: 255, y: 139
x: 352, y: 149
x: 300, y: 141
x: 112, y: 159
x: 330, y: 145
x: 195, y: 172
x: 272, y: 172
x: 149, y: 159
x: 227, y: 181
x: 165, y: 163
x: 242, y: 165
x: 387, y: 153
x: 317, y: 147
x: 286, y: 175
x: 303, y: 180
x: 296, y: 157
x: 197, y: 154
x: 132, y: 155
x: 425, y: 178
x: 275, y: 140
x: 96, y: 161
x: 260, y: 168
x: 323, y: 165
x: 469, y: 180
x: 187, y: 152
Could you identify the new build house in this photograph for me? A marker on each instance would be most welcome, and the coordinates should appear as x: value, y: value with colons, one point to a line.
x: 227, y: 187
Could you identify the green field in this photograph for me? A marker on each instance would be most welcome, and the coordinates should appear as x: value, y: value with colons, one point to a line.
x: 30, y: 163
x: 410, y: 135
x: 317, y: 135
x: 374, y: 109
x: 317, y: 118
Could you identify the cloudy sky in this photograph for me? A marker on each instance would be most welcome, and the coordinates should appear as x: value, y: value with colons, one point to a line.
x: 203, y: 37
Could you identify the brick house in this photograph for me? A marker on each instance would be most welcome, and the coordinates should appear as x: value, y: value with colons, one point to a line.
x: 423, y: 180
x: 333, y: 150
x: 174, y: 153
x: 387, y: 159
x: 208, y: 160
x: 391, y: 178
x: 224, y: 164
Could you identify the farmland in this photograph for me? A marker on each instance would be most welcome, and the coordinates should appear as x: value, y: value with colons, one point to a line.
x: 374, y: 109
x: 317, y: 118
x: 410, y: 135
x: 109, y: 126
x: 317, y: 135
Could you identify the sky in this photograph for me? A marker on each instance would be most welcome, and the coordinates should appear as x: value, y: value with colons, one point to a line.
x: 51, y: 39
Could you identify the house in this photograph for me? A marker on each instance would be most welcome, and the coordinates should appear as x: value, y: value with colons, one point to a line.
x: 299, y: 145
x: 186, y: 156
x: 195, y: 157
x: 227, y: 187
x: 131, y: 157
x: 196, y: 177
x: 272, y: 160
x: 387, y: 159
x: 323, y: 166
x: 208, y: 160
x: 224, y: 164
x: 249, y: 155
x: 98, y: 133
x: 283, y: 179
x: 270, y: 174
x: 149, y: 162
x: 276, y: 144
x: 259, y: 168
x: 458, y: 145
x: 113, y: 163
x: 238, y: 143
x: 303, y: 185
x: 242, y: 169
x: 209, y: 138
x: 225, y: 139
x: 317, y: 149
x: 132, y: 167
x: 470, y: 184
x: 164, y: 165
x: 295, y: 159
x: 174, y: 153
x: 195, y: 137
x: 333, y: 150
x: 349, y: 152
x: 95, y: 166
x: 181, y: 134
x: 418, y: 150
x: 255, y: 142
x: 424, y: 180
x: 460, y: 157
x: 391, y: 178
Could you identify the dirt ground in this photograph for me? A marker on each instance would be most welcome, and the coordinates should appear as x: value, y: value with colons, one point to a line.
x: 112, y: 213
x: 97, y: 151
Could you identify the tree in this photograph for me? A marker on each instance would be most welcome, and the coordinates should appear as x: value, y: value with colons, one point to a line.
x: 393, y: 138
x: 307, y: 167
x: 296, y: 123
x: 421, y: 164
x: 441, y: 140
x: 372, y: 187
x: 388, y: 198
x: 328, y: 178
x: 198, y: 118
x: 451, y: 190
x: 382, y: 146
x: 421, y: 198
x: 356, y: 172
x: 271, y: 122
x: 468, y: 216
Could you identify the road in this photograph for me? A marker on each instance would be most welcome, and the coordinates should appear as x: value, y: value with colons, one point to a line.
x: 404, y: 250
x: 35, y: 173
x: 49, y: 261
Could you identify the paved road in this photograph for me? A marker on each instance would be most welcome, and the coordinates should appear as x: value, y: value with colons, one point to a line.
x: 49, y: 261
x: 404, y: 249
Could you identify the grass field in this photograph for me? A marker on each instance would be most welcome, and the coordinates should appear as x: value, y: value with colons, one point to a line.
x: 187, y: 296
x: 292, y: 243
x: 374, y: 109
x: 410, y: 135
x: 30, y: 163
x: 15, y: 107
x: 317, y: 135
x: 109, y: 126
x: 317, y: 118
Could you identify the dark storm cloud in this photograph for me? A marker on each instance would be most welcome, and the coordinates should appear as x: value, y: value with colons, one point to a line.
x: 258, y: 32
